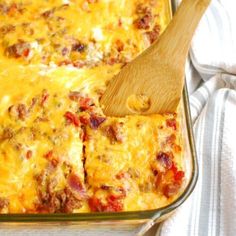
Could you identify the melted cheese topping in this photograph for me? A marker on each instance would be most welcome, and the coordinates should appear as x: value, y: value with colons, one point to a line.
x: 58, y: 152
x: 128, y: 163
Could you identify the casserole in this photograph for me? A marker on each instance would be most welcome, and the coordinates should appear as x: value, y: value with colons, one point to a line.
x: 190, y: 164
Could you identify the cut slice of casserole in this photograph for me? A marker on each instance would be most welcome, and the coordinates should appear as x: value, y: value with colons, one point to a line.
x: 133, y: 163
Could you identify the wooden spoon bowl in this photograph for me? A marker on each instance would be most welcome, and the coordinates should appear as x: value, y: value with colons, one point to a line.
x: 153, y: 81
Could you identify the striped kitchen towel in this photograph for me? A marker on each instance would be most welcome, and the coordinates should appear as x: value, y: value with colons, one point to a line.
x: 211, y: 209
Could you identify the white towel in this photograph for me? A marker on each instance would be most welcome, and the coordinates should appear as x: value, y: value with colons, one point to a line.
x: 214, y: 45
x: 211, y: 209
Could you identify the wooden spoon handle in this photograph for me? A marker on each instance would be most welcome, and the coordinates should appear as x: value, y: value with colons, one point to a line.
x: 153, y: 81
x: 181, y: 30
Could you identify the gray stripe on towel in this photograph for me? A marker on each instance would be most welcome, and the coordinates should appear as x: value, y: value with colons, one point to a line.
x: 206, y: 168
x: 226, y: 95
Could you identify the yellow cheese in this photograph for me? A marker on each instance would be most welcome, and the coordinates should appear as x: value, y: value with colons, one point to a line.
x: 57, y: 150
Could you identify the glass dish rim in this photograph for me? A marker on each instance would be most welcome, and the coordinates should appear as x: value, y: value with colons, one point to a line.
x: 129, y: 215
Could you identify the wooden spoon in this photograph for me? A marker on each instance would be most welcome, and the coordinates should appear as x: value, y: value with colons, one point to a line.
x: 153, y: 81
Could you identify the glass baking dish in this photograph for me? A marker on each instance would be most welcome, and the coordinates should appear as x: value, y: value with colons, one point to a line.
x: 122, y: 220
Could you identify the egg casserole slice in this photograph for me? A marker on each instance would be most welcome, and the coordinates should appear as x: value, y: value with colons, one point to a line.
x: 58, y: 151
